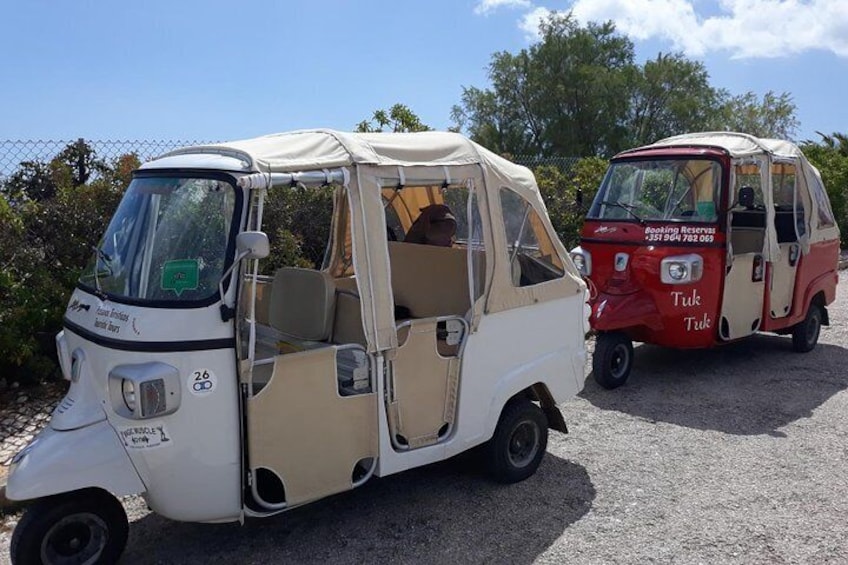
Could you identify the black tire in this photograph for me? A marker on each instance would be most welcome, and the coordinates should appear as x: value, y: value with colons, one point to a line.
x: 805, y: 335
x: 83, y: 527
x: 521, y: 437
x: 613, y: 359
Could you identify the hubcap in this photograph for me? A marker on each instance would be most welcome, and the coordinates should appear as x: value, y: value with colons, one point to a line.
x: 523, y: 444
x: 78, y: 539
x: 620, y: 361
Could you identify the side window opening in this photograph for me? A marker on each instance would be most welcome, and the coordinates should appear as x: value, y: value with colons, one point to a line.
x: 748, y: 219
x: 825, y: 219
x: 430, y: 239
x: 531, y: 253
x: 788, y: 208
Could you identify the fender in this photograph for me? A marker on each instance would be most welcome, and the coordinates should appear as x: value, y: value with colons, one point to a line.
x: 616, y: 311
x: 63, y: 461
x: 825, y: 283
x: 548, y: 371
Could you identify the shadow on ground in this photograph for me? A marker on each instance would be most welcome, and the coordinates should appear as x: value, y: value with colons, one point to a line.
x: 752, y: 387
x: 437, y: 514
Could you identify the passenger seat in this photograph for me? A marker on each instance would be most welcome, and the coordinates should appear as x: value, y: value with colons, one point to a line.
x: 303, y: 304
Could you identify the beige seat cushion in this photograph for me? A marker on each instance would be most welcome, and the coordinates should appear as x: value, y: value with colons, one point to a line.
x: 303, y: 303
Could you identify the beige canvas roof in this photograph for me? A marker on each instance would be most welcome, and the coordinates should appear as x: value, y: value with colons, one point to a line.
x: 378, y: 160
x: 736, y: 144
x: 305, y: 150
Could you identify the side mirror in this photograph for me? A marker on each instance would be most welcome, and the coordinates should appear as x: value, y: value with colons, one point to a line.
x: 746, y: 197
x: 253, y: 245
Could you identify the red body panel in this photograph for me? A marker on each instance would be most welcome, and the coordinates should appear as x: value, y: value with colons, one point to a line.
x: 817, y: 273
x: 636, y: 300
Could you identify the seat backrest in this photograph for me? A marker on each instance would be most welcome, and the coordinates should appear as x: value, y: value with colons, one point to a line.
x: 347, y: 327
x: 303, y: 303
x: 429, y: 280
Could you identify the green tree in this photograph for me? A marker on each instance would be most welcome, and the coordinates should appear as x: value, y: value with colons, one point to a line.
x: 577, y: 91
x: 562, y: 96
x: 836, y: 141
x: 671, y: 95
x: 298, y: 222
x: 48, y: 223
x: 399, y: 118
x: 562, y: 193
x: 773, y: 116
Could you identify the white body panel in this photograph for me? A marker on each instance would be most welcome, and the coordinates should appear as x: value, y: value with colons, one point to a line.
x: 196, y: 474
x: 57, y: 462
x: 145, y: 324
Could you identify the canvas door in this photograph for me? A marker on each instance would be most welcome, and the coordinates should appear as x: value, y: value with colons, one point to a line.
x: 424, y: 384
x: 311, y: 426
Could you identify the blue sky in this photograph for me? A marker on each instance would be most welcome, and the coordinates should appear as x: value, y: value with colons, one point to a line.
x: 214, y: 70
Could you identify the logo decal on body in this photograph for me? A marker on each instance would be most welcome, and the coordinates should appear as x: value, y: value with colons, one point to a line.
x: 144, y: 437
x: 76, y: 306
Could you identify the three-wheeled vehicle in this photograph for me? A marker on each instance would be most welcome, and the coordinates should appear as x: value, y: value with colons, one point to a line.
x: 706, y: 238
x: 447, y: 315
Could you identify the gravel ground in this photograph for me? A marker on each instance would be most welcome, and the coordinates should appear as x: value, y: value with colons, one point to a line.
x: 734, y: 455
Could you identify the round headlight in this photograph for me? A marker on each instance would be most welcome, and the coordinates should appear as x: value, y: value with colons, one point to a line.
x: 677, y: 271
x: 128, y: 391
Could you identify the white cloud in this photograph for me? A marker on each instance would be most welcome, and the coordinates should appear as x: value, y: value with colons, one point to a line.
x: 529, y: 22
x: 485, y: 7
x: 744, y: 28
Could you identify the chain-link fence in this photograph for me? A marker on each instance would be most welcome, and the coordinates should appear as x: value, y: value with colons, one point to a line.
x: 565, y: 164
x: 15, y: 152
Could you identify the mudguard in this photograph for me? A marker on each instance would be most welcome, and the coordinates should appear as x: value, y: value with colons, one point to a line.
x: 620, y: 311
x: 63, y: 461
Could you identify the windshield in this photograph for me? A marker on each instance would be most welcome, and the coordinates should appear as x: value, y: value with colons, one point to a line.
x: 671, y: 189
x: 168, y: 240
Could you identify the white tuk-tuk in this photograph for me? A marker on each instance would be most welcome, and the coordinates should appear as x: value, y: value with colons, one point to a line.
x: 447, y: 315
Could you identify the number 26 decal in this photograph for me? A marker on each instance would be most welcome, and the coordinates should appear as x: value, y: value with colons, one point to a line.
x: 202, y: 382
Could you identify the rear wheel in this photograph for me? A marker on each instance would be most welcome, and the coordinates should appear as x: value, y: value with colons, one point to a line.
x: 805, y: 335
x: 83, y: 527
x: 613, y: 359
x: 521, y: 437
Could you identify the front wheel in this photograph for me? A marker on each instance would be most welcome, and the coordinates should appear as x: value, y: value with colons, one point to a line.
x: 82, y: 527
x: 613, y: 359
x: 521, y: 437
x: 805, y: 335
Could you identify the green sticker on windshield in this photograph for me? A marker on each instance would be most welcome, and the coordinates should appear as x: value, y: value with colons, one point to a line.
x: 180, y: 275
x: 706, y: 209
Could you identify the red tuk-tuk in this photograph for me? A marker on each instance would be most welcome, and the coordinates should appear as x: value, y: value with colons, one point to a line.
x: 706, y: 238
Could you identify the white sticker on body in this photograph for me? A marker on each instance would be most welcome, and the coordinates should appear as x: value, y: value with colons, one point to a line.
x: 144, y: 437
x: 202, y: 382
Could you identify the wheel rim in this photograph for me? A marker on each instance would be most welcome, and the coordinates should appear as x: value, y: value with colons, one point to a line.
x: 619, y: 361
x: 78, y: 538
x: 523, y: 444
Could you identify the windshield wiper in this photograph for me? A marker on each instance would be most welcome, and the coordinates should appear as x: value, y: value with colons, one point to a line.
x: 105, y: 257
x: 107, y: 260
x: 626, y: 207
